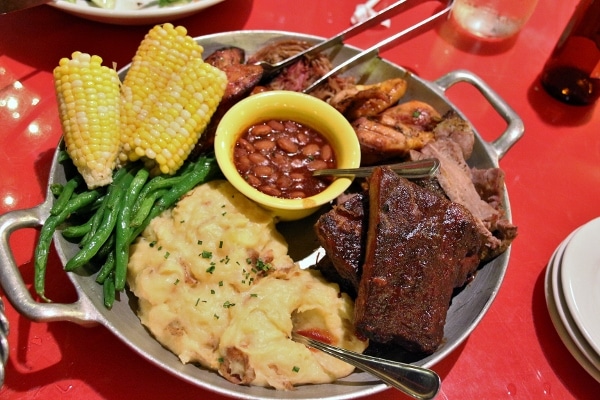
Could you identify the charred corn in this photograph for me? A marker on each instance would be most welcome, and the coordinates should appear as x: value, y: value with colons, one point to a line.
x: 88, y: 102
x: 168, y: 97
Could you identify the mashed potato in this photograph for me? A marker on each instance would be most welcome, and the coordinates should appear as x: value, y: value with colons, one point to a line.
x: 217, y: 287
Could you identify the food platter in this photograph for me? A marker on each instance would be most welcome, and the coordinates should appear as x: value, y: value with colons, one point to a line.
x: 468, y: 306
x: 130, y: 12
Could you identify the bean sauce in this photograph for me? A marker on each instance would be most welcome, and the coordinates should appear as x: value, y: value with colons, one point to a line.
x: 278, y: 158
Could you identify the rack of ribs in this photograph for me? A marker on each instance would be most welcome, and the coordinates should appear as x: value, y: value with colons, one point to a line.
x: 419, y: 246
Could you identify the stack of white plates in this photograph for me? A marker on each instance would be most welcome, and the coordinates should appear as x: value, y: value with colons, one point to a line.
x: 573, y: 294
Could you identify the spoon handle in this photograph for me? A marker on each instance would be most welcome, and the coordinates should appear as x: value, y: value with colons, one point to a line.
x: 409, y: 169
x: 418, y: 382
x: 3, y: 342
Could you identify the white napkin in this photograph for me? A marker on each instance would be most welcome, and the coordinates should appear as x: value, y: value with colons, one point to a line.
x: 364, y: 11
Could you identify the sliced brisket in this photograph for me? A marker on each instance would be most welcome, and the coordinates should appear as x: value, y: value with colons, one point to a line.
x: 480, y: 191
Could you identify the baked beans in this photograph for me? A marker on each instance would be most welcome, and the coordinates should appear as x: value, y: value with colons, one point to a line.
x: 278, y: 157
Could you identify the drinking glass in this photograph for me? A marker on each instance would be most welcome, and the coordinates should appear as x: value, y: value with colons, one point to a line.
x: 492, y: 20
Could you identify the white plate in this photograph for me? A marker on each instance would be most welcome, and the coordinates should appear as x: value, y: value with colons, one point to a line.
x: 570, y: 338
x: 129, y: 12
x: 561, y: 307
x: 580, y: 276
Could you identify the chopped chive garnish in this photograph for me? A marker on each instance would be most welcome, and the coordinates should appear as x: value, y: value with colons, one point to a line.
x: 206, y: 254
x: 228, y: 304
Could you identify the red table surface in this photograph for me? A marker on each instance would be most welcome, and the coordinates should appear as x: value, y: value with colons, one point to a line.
x: 552, y: 176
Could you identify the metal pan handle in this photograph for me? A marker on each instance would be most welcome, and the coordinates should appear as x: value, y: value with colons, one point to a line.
x: 515, y: 128
x: 81, y: 312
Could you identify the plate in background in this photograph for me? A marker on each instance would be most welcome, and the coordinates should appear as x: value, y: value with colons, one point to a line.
x: 580, y: 273
x: 129, y: 12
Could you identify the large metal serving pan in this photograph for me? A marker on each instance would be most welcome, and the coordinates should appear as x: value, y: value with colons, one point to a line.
x: 466, y: 310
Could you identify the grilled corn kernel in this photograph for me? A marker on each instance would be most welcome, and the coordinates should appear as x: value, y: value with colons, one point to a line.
x: 168, y: 97
x: 179, y: 116
x: 163, y: 51
x: 88, y: 102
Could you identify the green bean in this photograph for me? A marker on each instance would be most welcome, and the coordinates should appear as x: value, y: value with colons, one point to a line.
x: 89, y: 233
x: 116, y: 192
x: 91, y: 209
x: 45, y: 239
x: 186, y: 167
x: 56, y: 189
x: 107, y: 248
x: 123, y: 229
x: 96, y: 220
x: 107, y: 268
x: 156, y: 183
x: 101, y: 211
x: 116, y: 215
x: 202, y: 170
x: 108, y: 287
x: 77, y: 231
x: 145, y: 207
x: 65, y: 195
x: 63, y: 156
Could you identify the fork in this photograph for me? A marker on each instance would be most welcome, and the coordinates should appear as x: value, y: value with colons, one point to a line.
x: 417, y: 382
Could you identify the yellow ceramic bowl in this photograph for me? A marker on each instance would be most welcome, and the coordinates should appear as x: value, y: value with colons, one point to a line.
x: 302, y: 108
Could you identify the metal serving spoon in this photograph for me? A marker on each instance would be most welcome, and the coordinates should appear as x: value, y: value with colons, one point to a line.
x: 410, y: 169
x: 418, y: 382
x: 270, y: 69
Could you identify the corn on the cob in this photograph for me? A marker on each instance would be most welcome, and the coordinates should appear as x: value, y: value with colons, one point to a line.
x: 179, y: 116
x: 88, y: 100
x: 165, y: 102
x: 166, y: 85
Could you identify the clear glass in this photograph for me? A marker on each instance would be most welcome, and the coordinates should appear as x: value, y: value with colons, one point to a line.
x: 492, y: 19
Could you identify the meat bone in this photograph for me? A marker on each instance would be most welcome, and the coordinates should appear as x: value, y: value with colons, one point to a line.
x: 270, y: 69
